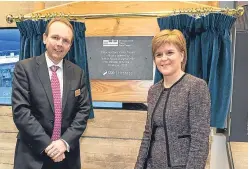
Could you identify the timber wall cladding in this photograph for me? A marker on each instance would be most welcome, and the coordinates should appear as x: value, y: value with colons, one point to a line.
x: 18, y: 7
x: 120, y: 90
x: 124, y: 26
x: 111, y: 140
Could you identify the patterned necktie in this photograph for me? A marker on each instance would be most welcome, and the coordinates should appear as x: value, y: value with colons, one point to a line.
x: 55, y: 85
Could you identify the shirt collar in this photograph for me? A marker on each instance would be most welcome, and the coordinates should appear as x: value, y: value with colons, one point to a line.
x: 50, y: 63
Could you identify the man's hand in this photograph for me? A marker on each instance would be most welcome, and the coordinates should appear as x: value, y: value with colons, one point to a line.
x: 60, y: 158
x: 56, y: 149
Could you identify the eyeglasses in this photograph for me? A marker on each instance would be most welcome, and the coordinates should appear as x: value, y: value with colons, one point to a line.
x: 64, y: 42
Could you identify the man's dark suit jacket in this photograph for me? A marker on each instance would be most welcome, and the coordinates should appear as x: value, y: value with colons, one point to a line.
x: 33, y: 111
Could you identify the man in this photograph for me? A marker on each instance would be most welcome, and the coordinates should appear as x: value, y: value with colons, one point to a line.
x: 50, y: 104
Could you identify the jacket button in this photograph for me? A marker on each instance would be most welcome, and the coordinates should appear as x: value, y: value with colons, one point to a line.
x: 52, y: 121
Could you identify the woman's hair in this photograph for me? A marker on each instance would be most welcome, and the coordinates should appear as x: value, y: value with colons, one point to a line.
x: 174, y: 37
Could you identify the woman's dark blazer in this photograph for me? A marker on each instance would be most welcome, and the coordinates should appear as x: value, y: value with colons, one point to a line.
x: 187, y: 120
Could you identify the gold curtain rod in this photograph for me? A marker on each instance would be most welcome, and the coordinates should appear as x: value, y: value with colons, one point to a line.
x: 197, y: 11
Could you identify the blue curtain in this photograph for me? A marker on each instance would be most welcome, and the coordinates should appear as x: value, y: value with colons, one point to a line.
x: 209, y: 56
x: 32, y: 45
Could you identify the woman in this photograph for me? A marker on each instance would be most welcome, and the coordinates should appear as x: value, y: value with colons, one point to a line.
x: 178, y: 122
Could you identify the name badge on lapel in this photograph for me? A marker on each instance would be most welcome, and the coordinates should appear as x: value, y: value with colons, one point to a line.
x: 77, y: 92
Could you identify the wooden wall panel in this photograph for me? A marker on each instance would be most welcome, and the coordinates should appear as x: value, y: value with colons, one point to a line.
x: 127, y: 26
x: 135, y: 91
x: 120, y: 91
x: 92, y: 7
x: 107, y: 123
x: 122, y: 27
x: 123, y: 91
x: 95, y: 152
x: 16, y: 8
x: 239, y: 152
x: 209, y: 3
x: 6, y: 166
x: 111, y: 140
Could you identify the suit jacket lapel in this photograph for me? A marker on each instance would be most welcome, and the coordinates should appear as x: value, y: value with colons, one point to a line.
x: 42, y: 70
x: 67, y: 73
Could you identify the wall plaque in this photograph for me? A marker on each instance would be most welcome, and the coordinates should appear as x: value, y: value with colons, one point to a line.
x: 121, y: 58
